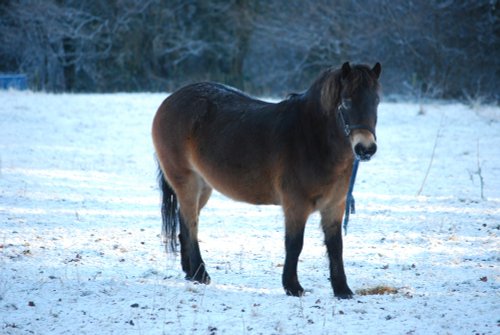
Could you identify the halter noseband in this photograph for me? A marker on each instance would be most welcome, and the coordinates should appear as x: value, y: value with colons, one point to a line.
x: 347, y: 127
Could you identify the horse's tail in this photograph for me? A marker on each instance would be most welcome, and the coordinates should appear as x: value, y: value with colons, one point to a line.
x: 169, y: 213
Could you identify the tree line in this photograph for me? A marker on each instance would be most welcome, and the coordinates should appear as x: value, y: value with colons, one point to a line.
x: 435, y: 48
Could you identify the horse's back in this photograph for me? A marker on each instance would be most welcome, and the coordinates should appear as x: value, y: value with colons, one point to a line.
x: 203, y: 109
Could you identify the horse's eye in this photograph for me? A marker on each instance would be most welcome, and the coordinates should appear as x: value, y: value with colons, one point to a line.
x: 347, y: 103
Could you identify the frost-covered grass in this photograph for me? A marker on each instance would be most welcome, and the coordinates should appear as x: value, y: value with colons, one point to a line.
x: 80, y: 251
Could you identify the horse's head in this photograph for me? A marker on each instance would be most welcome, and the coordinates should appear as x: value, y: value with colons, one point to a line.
x: 354, y: 99
x: 357, y: 108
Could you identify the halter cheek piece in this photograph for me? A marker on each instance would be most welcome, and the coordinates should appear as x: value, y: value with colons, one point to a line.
x: 347, y: 127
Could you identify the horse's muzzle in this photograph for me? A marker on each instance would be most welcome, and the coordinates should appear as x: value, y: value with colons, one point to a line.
x: 365, y: 153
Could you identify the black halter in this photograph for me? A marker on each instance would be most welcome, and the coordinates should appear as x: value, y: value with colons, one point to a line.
x: 347, y: 127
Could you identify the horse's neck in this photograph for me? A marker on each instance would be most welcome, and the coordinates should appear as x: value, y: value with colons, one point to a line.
x: 322, y: 133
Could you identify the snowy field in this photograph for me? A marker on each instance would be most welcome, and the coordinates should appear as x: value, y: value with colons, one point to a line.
x: 80, y: 250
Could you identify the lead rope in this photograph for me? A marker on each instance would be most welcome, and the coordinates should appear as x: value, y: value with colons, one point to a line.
x: 350, y: 202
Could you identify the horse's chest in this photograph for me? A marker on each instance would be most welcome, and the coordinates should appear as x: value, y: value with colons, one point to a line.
x: 329, y: 189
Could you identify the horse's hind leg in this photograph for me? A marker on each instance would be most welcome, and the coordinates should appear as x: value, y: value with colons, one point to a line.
x: 205, y: 194
x: 183, y: 239
x: 192, y: 193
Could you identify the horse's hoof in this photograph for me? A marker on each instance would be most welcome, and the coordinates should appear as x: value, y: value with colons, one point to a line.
x: 344, y: 294
x: 200, y: 276
x: 295, y: 292
x: 206, y: 280
x: 203, y: 278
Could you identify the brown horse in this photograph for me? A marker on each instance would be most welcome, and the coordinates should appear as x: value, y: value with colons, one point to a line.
x: 297, y: 153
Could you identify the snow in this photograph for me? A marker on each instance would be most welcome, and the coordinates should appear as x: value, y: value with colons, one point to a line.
x: 80, y: 251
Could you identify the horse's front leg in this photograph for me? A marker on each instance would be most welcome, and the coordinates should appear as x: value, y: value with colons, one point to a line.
x: 294, y: 239
x: 331, y: 223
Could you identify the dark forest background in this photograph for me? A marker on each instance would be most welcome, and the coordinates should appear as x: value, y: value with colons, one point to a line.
x: 430, y: 48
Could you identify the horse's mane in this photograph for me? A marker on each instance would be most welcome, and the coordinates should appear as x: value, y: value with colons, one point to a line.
x: 327, y: 87
x: 361, y: 75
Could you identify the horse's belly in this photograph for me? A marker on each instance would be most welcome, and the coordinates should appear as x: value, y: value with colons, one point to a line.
x: 241, y: 184
x: 249, y: 196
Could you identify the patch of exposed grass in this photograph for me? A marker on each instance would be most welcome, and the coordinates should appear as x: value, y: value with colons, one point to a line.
x: 377, y: 290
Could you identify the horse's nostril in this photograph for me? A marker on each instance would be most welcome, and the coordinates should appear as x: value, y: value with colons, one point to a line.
x: 365, y: 153
x: 372, y: 149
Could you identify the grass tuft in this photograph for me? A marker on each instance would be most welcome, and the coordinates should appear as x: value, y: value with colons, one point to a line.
x: 377, y: 290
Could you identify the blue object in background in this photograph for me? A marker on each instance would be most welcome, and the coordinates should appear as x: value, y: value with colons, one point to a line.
x: 15, y: 81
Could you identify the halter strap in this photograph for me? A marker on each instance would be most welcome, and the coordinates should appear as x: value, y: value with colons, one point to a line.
x: 350, y: 207
x: 348, y: 128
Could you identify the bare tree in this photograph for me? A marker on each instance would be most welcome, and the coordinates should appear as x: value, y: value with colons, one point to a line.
x: 52, y: 44
x: 445, y: 49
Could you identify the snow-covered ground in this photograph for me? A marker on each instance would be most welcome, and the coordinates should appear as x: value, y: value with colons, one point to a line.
x: 80, y: 250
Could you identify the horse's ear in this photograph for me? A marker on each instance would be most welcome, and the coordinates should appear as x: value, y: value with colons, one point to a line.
x: 377, y: 69
x: 346, y: 69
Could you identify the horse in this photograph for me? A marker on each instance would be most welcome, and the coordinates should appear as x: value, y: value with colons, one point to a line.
x: 297, y: 153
